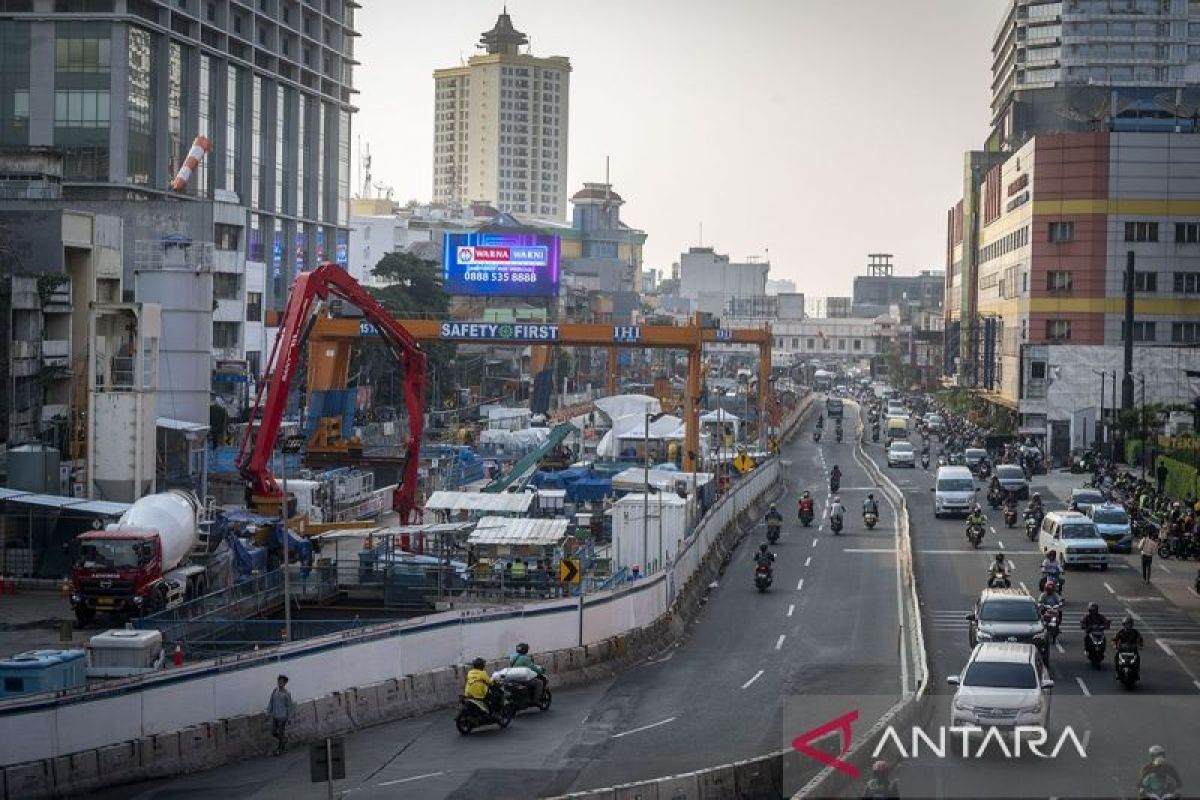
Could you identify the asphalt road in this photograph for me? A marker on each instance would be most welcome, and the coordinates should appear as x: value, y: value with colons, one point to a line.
x: 755, y: 670
x: 1117, y: 725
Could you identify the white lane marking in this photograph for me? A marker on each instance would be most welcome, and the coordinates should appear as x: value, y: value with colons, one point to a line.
x: 1111, y: 590
x: 652, y: 724
x: 1164, y: 567
x: 800, y: 584
x: 791, y: 609
x: 999, y: 543
x: 815, y: 540
x: 1059, y: 647
x: 779, y: 641
x: 413, y: 778
x: 1024, y: 588
x: 868, y: 549
x: 757, y: 675
x: 1166, y: 648
x: 820, y: 527
x: 992, y: 530
x: 1083, y: 686
x: 808, y: 561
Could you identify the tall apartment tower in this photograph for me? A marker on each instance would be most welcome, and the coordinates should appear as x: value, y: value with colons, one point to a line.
x: 500, y: 127
x: 1061, y: 66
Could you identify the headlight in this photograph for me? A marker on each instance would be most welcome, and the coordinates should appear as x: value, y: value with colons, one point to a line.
x: 962, y: 705
x: 983, y: 636
x: 1037, y: 708
x: 137, y: 600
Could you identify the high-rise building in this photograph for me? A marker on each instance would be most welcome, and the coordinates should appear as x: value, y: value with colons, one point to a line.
x: 118, y: 89
x: 1083, y: 65
x: 500, y: 127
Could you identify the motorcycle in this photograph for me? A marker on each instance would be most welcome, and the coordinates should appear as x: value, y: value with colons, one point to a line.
x: 869, y: 519
x: 984, y: 470
x: 995, y: 498
x: 762, y: 577
x: 773, y: 532
x: 839, y: 435
x: 835, y: 523
x: 1059, y: 578
x: 1093, y: 645
x: 1031, y: 525
x: 499, y: 711
x: 924, y: 460
x: 975, y: 534
x: 817, y: 436
x: 874, y: 434
x: 1010, y: 517
x: 806, y: 517
x: 524, y: 687
x: 998, y: 578
x: 1129, y: 665
x: 1051, y: 620
x: 835, y: 483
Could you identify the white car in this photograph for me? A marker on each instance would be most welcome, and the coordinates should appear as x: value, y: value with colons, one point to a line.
x: 1075, y: 538
x: 1003, y: 685
x: 900, y: 454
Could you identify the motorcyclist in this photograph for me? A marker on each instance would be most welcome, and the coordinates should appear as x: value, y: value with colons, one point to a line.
x: 835, y: 476
x: 836, y: 509
x: 1050, y: 598
x: 478, y: 683
x: 999, y: 570
x: 806, y: 503
x: 521, y: 658
x: 1035, y: 505
x: 870, y: 505
x: 1093, y: 618
x: 764, y: 556
x: 976, y: 517
x: 1051, y: 568
x: 773, y: 515
x: 1128, y: 638
x: 881, y: 785
x: 821, y: 421
x: 1159, y: 777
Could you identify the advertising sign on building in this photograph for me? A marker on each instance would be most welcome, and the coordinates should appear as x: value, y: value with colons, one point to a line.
x: 500, y: 264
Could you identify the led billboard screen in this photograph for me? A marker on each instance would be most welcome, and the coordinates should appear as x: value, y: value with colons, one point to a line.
x: 500, y: 264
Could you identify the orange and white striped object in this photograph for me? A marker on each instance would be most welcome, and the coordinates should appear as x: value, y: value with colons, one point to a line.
x: 195, y: 155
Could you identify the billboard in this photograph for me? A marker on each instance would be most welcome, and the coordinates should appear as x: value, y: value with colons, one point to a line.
x: 500, y: 264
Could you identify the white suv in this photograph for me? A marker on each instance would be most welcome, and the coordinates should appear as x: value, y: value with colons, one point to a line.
x: 1003, y: 685
x: 1075, y: 538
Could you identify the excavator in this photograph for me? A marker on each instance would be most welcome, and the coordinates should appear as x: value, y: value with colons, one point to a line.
x: 304, y: 303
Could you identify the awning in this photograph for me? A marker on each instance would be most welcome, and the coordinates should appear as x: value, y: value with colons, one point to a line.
x: 502, y: 503
x: 74, y: 505
x: 519, y: 531
x: 9, y: 494
x: 181, y: 425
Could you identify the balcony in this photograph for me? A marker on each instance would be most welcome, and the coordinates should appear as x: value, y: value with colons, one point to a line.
x: 23, y: 348
x: 56, y: 352
x: 54, y: 411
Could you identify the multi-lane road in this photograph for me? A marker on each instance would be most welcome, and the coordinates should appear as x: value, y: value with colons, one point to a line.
x: 1118, y: 725
x: 754, y: 671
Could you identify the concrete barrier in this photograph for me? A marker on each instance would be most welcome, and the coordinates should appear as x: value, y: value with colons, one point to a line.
x: 33, y: 779
x: 78, y: 773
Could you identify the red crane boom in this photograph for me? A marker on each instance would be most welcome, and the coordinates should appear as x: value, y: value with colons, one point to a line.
x: 309, y: 290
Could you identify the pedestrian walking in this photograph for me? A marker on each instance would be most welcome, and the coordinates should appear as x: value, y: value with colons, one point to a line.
x: 1161, y: 474
x: 279, y: 707
x: 1146, y: 546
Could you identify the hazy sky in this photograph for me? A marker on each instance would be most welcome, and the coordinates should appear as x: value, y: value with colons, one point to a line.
x: 817, y: 130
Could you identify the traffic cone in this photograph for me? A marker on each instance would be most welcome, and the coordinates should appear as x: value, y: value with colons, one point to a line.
x: 177, y: 659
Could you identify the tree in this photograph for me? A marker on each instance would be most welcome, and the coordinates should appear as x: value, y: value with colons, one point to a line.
x: 414, y: 289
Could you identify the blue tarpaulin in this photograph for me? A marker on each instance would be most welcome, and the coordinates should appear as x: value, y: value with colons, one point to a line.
x: 588, y: 490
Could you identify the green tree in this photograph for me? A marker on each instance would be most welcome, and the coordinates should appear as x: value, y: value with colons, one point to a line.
x: 414, y: 285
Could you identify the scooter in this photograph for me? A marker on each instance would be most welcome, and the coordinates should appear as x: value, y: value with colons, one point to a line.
x: 998, y: 578
x: 839, y: 435
x: 924, y: 460
x: 975, y: 534
x: 1031, y: 525
x: 762, y: 577
x: 874, y: 434
x: 1010, y: 517
x: 869, y: 519
x: 525, y: 688
x: 817, y: 436
x: 1129, y: 666
x: 1051, y: 620
x: 471, y: 716
x: 1060, y: 581
x: 773, y: 532
x: 806, y: 517
x: 1093, y: 645
x: 834, y: 484
x: 835, y: 523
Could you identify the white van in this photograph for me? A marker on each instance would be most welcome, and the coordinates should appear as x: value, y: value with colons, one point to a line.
x: 953, y: 491
x: 1075, y: 538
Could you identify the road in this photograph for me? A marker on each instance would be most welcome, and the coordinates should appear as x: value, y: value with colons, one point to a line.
x: 754, y: 671
x: 1119, y: 725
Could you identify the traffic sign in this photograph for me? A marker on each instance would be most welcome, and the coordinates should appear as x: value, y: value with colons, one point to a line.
x: 568, y: 571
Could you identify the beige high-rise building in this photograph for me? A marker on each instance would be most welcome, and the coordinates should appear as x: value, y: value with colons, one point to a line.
x: 500, y: 127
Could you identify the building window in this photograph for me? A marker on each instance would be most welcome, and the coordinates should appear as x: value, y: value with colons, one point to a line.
x: 1037, y: 370
x: 140, y: 109
x: 1143, y: 282
x: 227, y: 285
x: 1142, y: 331
x: 1187, y: 282
x: 1058, y: 329
x: 225, y: 335
x: 1062, y: 231
x: 1185, y: 332
x: 233, y: 129
x: 82, y: 59
x: 1141, y: 231
x: 858, y: 344
x: 795, y: 343
x: 810, y: 344
x: 253, y: 306
x: 1058, y: 281
x: 841, y: 344
x: 14, y: 83
x: 1187, y: 232
x: 227, y: 237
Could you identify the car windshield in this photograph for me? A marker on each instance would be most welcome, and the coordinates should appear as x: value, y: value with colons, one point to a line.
x: 934, y: 419
x: 902, y: 447
x: 956, y: 485
x: 1110, y: 516
x: 973, y: 453
x: 114, y: 553
x: 1010, y: 472
x: 1000, y: 675
x: 1008, y: 611
x: 1079, y: 531
x: 1087, y: 496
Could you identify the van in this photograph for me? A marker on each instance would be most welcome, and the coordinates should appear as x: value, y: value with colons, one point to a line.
x: 1075, y: 538
x: 897, y: 428
x: 953, y: 491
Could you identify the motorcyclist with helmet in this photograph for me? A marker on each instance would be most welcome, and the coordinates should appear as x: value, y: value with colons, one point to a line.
x: 836, y: 509
x: 806, y: 504
x: 1159, y: 777
x: 764, y: 556
x: 835, y: 478
x: 478, y: 683
x: 521, y: 658
x: 881, y: 785
x: 976, y: 519
x: 1051, y: 569
x: 999, y: 572
x: 870, y: 505
x: 1127, y: 639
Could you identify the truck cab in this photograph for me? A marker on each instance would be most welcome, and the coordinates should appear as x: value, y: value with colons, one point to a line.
x: 114, y: 572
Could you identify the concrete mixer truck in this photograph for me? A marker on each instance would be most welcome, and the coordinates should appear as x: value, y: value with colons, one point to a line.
x: 154, y: 557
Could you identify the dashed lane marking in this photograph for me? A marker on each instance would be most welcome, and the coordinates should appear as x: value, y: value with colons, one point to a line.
x: 413, y: 778
x: 1110, y: 589
x: 791, y: 609
x: 653, y: 724
x: 868, y: 549
x: 800, y: 584
x: 779, y: 641
x: 808, y: 561
x: 1083, y: 686
x: 757, y: 675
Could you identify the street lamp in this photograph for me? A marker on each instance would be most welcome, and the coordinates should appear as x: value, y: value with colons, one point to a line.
x: 1142, y: 379
x: 1100, y: 415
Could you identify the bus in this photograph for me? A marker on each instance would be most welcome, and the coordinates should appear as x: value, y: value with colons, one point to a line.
x: 833, y: 407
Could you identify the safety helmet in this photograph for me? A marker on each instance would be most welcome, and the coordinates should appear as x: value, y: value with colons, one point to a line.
x: 835, y: 468
x: 478, y: 663
x: 1036, y: 496
x: 1127, y: 623
x: 772, y: 506
x: 978, y: 508
x: 999, y: 556
x: 880, y: 767
x: 870, y: 495
x: 837, y: 498
x: 1157, y: 750
x: 807, y: 493
x: 1052, y: 555
x: 762, y: 547
x: 1050, y: 586
x: 1093, y: 608
x: 523, y: 648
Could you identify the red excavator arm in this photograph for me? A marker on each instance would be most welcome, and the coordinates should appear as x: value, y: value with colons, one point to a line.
x: 309, y: 290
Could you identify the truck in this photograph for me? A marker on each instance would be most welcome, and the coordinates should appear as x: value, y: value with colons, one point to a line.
x: 156, y: 556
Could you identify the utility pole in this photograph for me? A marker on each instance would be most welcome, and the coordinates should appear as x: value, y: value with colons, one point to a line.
x: 646, y: 490
x: 1127, y: 381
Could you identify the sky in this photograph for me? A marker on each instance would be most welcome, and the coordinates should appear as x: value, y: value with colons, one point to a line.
x: 812, y: 132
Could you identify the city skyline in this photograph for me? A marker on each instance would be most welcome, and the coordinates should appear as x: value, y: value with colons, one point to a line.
x: 748, y: 205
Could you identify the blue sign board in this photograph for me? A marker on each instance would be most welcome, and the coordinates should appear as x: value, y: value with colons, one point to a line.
x: 500, y: 264
x: 628, y: 334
